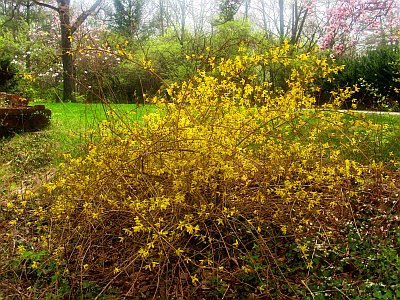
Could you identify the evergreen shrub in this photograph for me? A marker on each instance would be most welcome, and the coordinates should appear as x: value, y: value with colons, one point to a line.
x: 376, y: 73
x: 8, y: 73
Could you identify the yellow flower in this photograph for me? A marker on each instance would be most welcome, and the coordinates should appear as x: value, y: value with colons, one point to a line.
x: 179, y: 251
x: 21, y: 248
x: 195, y: 279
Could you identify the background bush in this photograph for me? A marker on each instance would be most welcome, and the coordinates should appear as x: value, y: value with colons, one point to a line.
x: 376, y: 73
x: 8, y: 72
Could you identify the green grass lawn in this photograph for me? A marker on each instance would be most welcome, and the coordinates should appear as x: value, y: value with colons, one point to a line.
x: 383, y: 144
x: 73, y: 124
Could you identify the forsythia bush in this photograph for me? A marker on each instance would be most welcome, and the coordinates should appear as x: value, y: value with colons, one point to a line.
x: 204, y: 187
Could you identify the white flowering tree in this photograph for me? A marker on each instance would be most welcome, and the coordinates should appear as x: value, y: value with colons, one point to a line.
x: 67, y: 30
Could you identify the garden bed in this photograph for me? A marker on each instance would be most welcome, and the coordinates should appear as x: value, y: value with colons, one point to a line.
x: 24, y: 118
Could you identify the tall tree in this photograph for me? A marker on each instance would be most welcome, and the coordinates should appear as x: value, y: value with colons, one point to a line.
x: 300, y: 14
x: 68, y: 28
x: 162, y: 16
x: 246, y: 9
x: 228, y: 9
x: 281, y: 18
x: 157, y: 18
x: 128, y: 15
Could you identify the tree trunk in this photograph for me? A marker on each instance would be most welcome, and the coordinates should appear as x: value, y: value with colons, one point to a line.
x: 281, y: 19
x: 246, y: 9
x: 298, y: 21
x: 67, y: 55
x: 264, y: 19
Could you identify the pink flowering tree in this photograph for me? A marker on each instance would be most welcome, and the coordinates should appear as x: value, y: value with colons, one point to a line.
x: 351, y: 24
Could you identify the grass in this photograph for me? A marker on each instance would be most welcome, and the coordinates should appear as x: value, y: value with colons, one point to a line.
x: 73, y: 124
x: 364, y: 265
x: 382, y: 146
x: 389, y: 141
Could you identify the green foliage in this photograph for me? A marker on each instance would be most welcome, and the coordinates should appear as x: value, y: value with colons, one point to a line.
x: 230, y: 36
x: 106, y: 74
x: 33, y: 53
x: 364, y: 262
x: 8, y: 69
x: 134, y: 84
x: 128, y: 16
x: 123, y: 71
x: 8, y: 74
x: 228, y: 9
x: 168, y: 57
x: 118, y: 71
x: 377, y: 75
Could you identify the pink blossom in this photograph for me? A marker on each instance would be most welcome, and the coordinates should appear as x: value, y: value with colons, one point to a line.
x: 348, y: 21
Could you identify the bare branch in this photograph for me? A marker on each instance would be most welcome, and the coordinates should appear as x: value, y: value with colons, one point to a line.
x: 46, y: 5
x: 83, y: 16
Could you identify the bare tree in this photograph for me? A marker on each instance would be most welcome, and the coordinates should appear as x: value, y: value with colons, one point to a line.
x: 157, y: 19
x: 293, y: 20
x: 177, y: 14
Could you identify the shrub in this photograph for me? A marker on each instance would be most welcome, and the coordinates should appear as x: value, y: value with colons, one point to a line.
x: 195, y: 201
x: 106, y: 73
x: 377, y: 75
x: 8, y: 72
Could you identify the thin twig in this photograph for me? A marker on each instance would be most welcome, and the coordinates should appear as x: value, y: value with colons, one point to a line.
x: 311, y: 293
